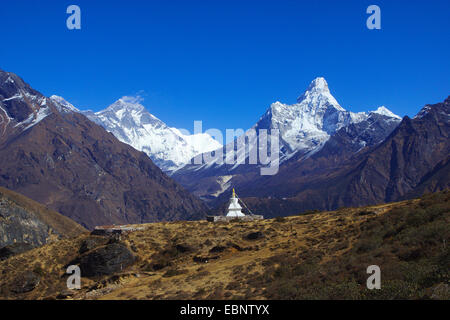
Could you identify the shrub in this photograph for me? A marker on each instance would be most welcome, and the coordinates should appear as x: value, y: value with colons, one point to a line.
x: 366, y: 213
x: 174, y: 272
x: 368, y: 244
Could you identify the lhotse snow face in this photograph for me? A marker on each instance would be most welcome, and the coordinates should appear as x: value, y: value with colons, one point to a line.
x: 131, y: 123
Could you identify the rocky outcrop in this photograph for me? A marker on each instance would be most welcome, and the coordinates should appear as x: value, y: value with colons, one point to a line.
x: 25, y: 223
x: 26, y: 282
x: 105, y: 260
x: 91, y: 243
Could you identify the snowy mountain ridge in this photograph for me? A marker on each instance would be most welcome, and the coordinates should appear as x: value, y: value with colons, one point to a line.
x: 63, y: 105
x: 306, y: 125
x: 316, y: 123
x: 309, y: 123
x: 131, y: 123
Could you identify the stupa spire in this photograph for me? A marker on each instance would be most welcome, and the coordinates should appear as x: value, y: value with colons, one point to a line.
x: 234, y: 209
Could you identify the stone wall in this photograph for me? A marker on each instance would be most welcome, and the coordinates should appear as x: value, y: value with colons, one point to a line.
x: 228, y: 219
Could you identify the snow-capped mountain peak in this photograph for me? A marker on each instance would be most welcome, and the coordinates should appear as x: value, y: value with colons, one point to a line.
x: 309, y: 123
x: 318, y: 96
x: 304, y: 129
x: 62, y: 104
x: 168, y: 147
x: 318, y: 84
x: 386, y: 112
x: 127, y: 103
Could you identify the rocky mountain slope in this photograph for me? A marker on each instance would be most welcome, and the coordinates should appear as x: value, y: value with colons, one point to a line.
x: 131, y: 123
x: 321, y: 255
x: 24, y: 221
x: 413, y: 159
x: 316, y: 121
x: 65, y: 161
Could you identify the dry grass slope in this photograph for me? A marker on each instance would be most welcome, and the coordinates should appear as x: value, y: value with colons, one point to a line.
x: 310, y: 256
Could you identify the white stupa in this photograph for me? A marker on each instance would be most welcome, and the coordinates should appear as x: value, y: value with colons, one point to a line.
x: 234, y: 210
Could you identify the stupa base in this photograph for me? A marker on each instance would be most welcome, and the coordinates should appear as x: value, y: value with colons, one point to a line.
x: 228, y: 219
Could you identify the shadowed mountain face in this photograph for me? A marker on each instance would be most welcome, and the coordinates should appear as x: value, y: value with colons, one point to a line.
x: 412, y: 160
x: 25, y: 223
x: 65, y: 161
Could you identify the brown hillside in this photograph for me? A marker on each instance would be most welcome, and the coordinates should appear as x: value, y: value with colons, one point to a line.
x: 311, y: 256
x: 74, y: 166
x: 25, y: 220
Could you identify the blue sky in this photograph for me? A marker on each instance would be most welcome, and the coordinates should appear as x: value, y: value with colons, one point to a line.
x: 225, y: 62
